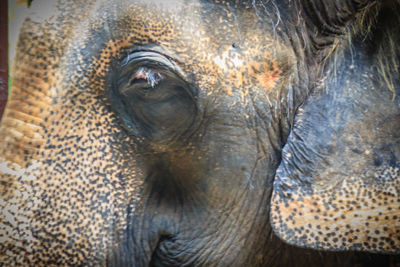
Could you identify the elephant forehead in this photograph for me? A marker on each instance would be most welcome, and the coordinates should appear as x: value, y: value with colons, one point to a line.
x: 219, y: 46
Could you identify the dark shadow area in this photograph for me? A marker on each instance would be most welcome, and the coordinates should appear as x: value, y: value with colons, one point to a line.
x: 3, y: 55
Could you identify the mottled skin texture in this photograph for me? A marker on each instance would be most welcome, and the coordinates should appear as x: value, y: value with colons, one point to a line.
x: 103, y: 166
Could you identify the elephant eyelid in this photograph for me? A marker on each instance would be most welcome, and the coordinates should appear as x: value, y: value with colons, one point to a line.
x: 155, y: 59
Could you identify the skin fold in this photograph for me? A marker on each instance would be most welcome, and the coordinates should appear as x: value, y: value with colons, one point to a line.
x: 203, y: 133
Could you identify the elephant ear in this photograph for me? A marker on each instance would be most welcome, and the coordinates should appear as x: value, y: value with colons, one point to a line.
x: 338, y: 184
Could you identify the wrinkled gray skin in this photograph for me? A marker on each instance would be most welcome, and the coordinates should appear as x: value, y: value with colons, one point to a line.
x: 203, y: 133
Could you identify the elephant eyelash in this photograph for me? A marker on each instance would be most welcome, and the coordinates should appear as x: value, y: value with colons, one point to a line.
x: 153, y: 78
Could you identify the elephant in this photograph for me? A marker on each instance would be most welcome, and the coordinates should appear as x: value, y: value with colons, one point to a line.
x: 203, y: 133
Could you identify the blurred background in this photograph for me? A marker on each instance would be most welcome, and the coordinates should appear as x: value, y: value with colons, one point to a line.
x: 12, y: 14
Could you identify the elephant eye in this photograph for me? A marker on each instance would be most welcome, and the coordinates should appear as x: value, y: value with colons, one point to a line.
x: 152, y: 97
x: 147, y: 83
x: 147, y: 75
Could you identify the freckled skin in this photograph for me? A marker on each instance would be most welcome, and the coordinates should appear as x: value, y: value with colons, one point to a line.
x: 86, y: 180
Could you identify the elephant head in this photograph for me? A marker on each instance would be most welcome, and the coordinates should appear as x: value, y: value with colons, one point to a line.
x: 202, y: 133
